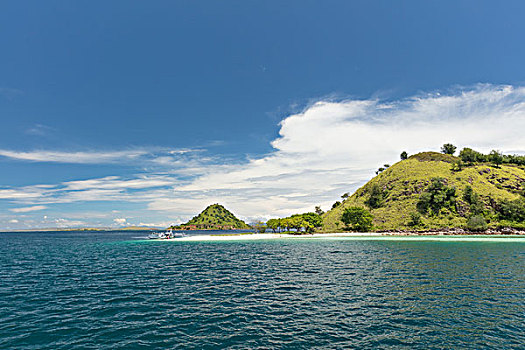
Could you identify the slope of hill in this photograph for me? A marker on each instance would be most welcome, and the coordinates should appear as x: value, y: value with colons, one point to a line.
x: 214, y: 217
x: 401, y: 186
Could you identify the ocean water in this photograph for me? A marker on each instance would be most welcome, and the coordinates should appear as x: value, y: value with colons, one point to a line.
x: 85, y: 290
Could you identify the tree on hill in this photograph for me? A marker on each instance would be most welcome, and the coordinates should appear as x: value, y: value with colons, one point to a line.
x: 415, y: 219
x: 512, y: 210
x: 383, y: 168
x: 345, y: 195
x: 376, y: 198
x: 437, y: 196
x: 404, y: 155
x: 468, y: 155
x: 496, y: 158
x: 448, y: 148
x: 336, y: 204
x: 318, y: 210
x: 357, y: 219
x: 472, y: 198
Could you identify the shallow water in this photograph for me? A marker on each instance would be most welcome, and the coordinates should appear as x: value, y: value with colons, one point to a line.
x: 114, y: 290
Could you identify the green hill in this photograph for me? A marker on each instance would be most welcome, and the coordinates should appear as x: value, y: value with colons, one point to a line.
x: 397, y: 190
x: 214, y: 217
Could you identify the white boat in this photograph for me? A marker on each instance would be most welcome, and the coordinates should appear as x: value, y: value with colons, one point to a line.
x: 169, y: 234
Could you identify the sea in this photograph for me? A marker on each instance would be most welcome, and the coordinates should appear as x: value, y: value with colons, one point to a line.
x: 117, y: 290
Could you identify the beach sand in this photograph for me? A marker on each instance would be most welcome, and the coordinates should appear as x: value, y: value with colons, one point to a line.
x: 348, y: 235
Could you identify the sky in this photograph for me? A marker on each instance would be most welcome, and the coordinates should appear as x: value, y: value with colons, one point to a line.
x: 144, y: 112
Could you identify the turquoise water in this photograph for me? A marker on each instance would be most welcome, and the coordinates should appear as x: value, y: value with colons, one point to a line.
x: 79, y: 290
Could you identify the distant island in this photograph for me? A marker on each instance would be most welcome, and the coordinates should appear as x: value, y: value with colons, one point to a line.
x: 214, y: 217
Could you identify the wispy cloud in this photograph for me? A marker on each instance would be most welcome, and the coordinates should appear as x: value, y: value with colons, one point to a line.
x: 28, y: 209
x: 39, y: 130
x: 327, y: 149
x: 73, y: 157
x: 10, y: 93
x: 135, y: 156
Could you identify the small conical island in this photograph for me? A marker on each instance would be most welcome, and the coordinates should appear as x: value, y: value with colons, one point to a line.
x: 214, y: 217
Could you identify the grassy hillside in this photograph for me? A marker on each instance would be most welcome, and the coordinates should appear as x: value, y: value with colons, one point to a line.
x: 215, y: 216
x: 403, y: 184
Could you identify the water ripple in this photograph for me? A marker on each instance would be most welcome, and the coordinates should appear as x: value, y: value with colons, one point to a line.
x: 105, y: 291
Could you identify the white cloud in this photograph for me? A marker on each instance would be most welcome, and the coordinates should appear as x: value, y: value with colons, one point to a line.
x: 40, y: 130
x: 73, y: 157
x: 66, y: 223
x: 154, y: 156
x: 28, y: 209
x: 13, y: 221
x: 120, y: 221
x: 28, y: 192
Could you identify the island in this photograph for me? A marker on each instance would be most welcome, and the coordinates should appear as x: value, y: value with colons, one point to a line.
x: 214, y: 217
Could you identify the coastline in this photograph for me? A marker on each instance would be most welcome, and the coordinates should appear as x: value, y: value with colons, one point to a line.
x: 352, y: 235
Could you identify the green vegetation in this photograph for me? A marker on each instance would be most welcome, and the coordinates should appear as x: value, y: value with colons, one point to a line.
x: 415, y: 219
x: 214, y: 217
x: 306, y: 223
x: 470, y: 156
x: 448, y: 148
x: 377, y: 197
x: 436, y: 197
x: 496, y: 158
x: 512, y: 210
x: 404, y: 155
x: 477, y: 224
x: 260, y: 227
x: 434, y: 191
x: 357, y: 219
x: 476, y: 204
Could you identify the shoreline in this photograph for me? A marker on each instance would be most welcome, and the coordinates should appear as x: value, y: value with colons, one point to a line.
x: 350, y: 235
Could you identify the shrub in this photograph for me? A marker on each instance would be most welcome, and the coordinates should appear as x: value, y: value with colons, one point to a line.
x: 336, y: 204
x: 437, y: 196
x: 377, y: 196
x: 415, y: 219
x: 512, y: 210
x: 457, y: 165
x: 476, y: 204
x: 477, y: 223
x: 358, y: 219
x: 403, y: 155
x: 260, y: 227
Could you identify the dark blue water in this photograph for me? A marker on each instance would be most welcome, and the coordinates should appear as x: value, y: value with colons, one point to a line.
x: 109, y: 290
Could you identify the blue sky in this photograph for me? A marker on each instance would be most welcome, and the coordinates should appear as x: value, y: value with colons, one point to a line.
x: 134, y: 112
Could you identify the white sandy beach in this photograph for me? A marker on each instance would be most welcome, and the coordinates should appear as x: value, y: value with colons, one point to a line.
x: 263, y: 236
x: 349, y: 235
